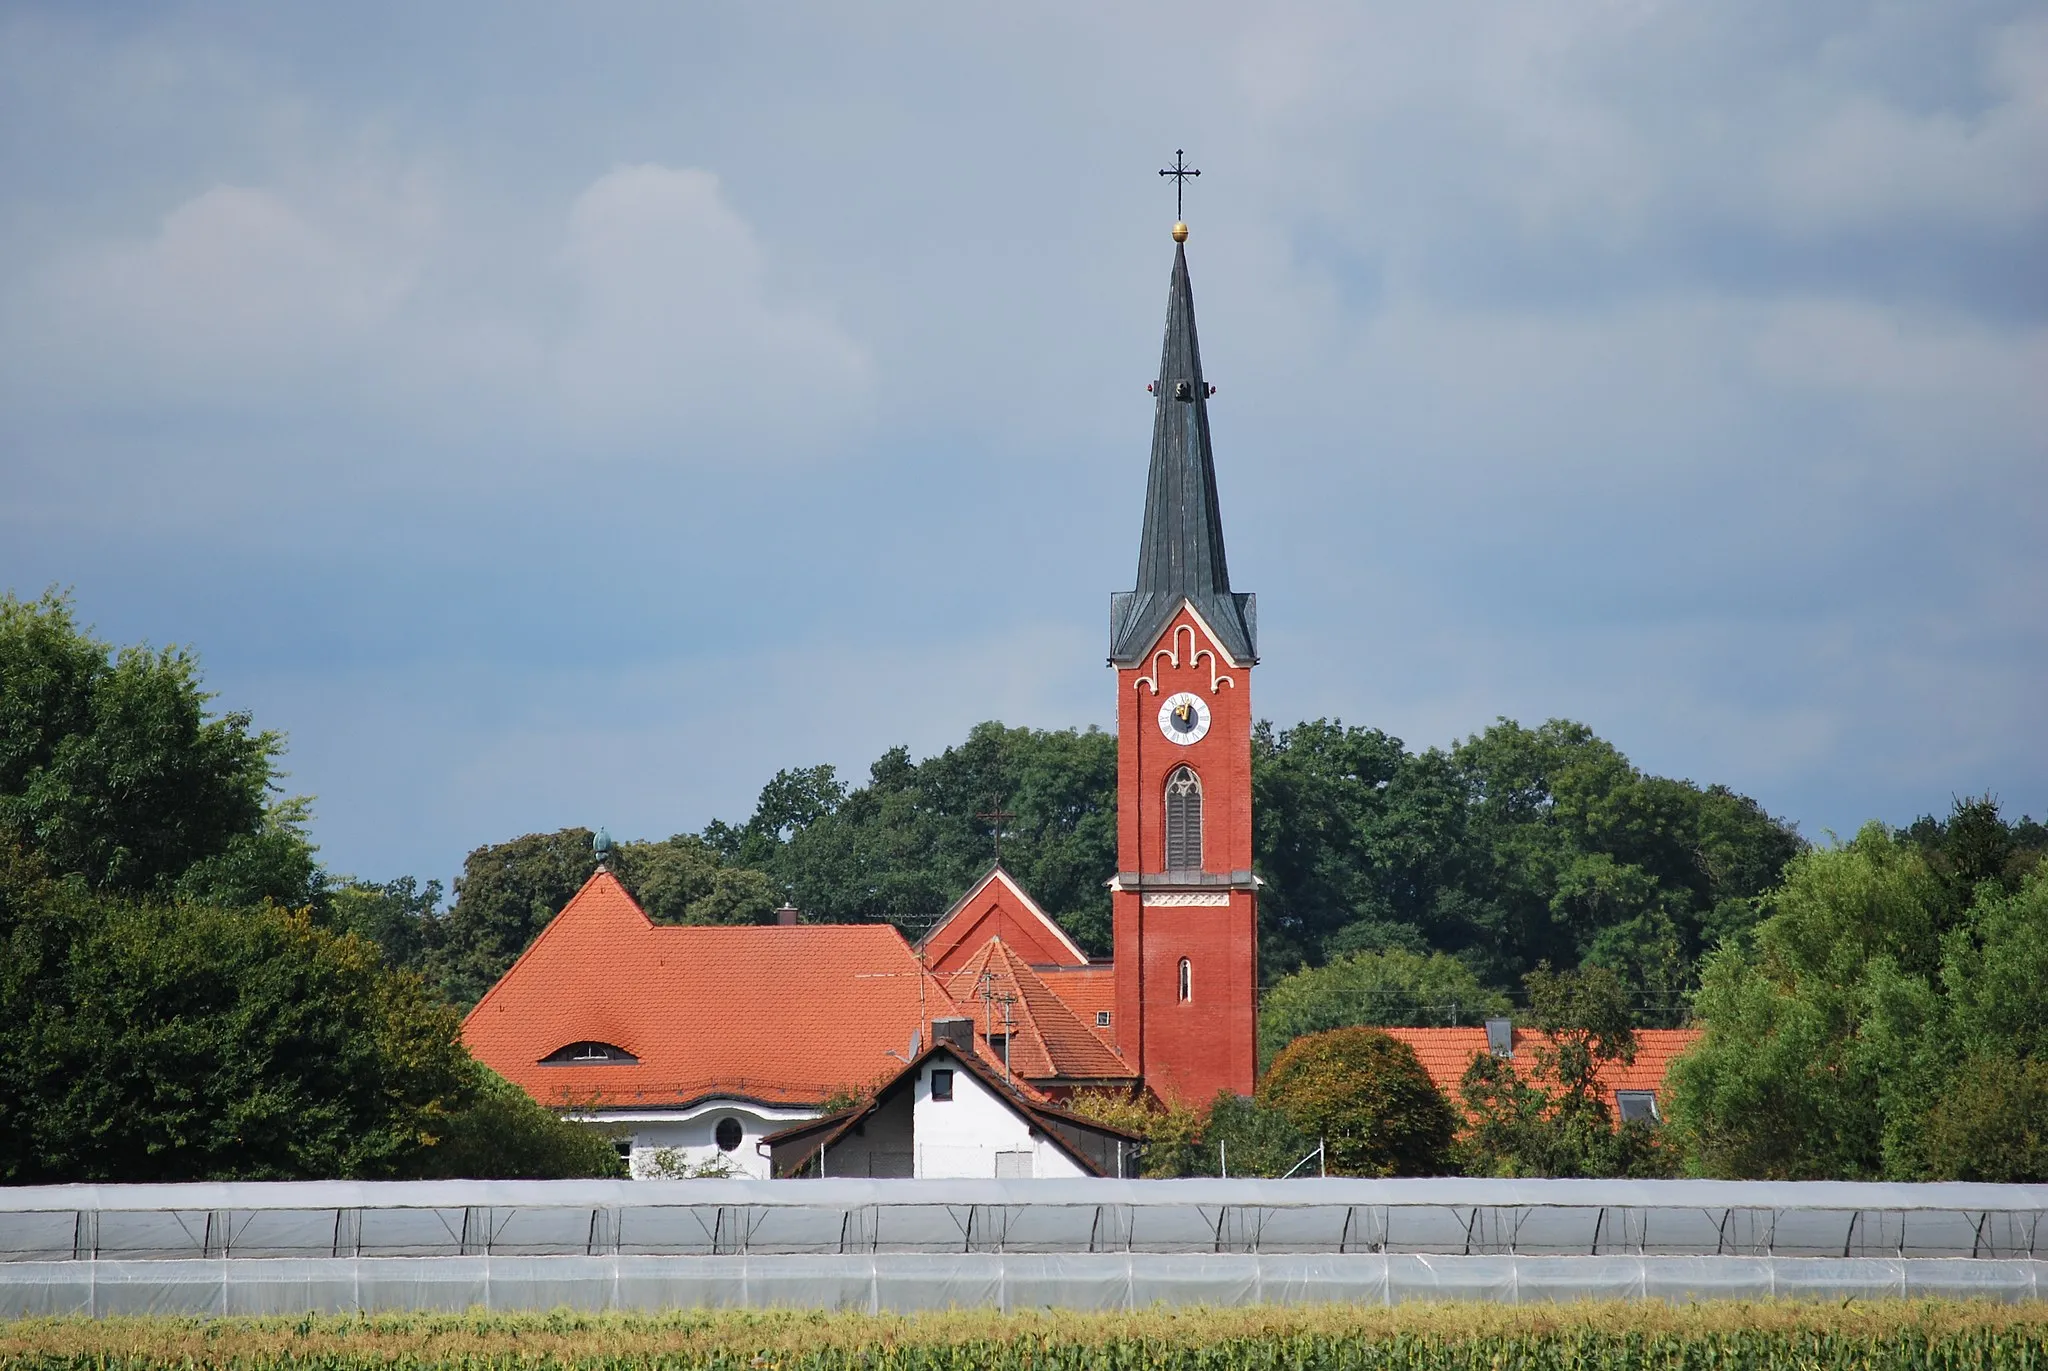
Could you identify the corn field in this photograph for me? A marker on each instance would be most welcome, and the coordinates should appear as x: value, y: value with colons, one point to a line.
x: 1585, y: 1337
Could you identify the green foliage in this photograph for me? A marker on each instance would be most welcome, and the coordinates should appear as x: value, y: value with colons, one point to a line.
x: 1889, y: 1015
x: 111, y: 769
x: 495, y: 1131
x: 1172, y: 1130
x: 1517, y: 846
x: 508, y: 892
x: 1472, y: 1336
x: 1247, y: 1138
x: 168, y: 1042
x: 1367, y: 1097
x: 1554, y: 1120
x: 401, y: 917
x: 901, y: 848
x: 154, y: 1042
x: 1390, y: 989
x: 683, y: 881
x: 1182, y: 1141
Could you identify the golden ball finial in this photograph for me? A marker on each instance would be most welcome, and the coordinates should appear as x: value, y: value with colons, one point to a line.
x: 1180, y: 233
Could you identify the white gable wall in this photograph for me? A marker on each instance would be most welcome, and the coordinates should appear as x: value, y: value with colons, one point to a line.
x: 961, y: 1137
x: 692, y: 1133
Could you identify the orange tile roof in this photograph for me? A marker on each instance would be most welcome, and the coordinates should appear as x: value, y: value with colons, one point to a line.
x: 1446, y: 1052
x: 1048, y: 1041
x: 1087, y: 990
x: 779, y: 1014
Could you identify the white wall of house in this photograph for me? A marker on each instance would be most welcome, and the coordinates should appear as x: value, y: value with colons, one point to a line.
x: 963, y: 1136
x: 692, y: 1133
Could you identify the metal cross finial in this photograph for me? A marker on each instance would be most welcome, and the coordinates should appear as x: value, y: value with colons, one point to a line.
x: 997, y: 816
x: 1180, y: 171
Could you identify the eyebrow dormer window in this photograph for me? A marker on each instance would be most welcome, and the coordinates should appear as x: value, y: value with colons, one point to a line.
x: 589, y: 1054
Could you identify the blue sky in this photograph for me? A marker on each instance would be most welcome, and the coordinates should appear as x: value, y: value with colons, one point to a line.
x: 571, y: 414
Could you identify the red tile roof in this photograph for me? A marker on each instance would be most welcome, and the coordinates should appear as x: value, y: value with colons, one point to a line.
x: 1048, y: 1041
x: 1446, y: 1052
x: 997, y: 907
x: 779, y: 1014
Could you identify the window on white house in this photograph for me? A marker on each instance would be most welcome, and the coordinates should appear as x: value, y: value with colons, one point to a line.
x: 1187, y: 980
x: 589, y: 1054
x: 1637, y: 1106
x: 624, y: 1146
x: 942, y: 1084
x: 1183, y: 820
x: 728, y: 1134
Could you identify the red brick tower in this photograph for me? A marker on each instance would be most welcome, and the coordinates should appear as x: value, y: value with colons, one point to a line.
x: 1185, y: 900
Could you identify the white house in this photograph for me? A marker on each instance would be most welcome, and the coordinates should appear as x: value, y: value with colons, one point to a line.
x: 949, y: 1114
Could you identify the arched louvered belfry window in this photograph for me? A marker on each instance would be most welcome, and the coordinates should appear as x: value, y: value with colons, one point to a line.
x: 1183, y: 820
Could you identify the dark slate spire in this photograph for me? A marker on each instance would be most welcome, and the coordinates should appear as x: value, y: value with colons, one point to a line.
x: 1180, y: 556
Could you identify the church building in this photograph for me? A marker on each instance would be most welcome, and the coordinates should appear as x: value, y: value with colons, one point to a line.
x: 697, y: 1043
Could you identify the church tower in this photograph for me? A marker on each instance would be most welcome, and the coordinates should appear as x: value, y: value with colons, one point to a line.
x: 1183, y: 645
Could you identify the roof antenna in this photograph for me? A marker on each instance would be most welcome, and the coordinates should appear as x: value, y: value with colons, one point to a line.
x: 601, y: 844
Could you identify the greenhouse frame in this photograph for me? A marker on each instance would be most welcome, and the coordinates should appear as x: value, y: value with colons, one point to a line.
x: 342, y: 1246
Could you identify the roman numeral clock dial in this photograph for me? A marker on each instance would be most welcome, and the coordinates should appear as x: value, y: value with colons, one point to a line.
x: 1183, y: 718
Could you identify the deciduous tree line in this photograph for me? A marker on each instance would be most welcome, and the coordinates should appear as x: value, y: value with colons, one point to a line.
x: 194, y: 995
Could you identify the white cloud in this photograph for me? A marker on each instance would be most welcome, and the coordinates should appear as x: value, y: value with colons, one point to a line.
x: 655, y: 314
x: 674, y: 320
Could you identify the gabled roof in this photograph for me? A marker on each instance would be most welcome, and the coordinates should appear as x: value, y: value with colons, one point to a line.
x: 1048, y: 1041
x: 997, y: 906
x: 778, y: 1014
x: 820, y: 1134
x: 1180, y: 554
x: 1446, y: 1052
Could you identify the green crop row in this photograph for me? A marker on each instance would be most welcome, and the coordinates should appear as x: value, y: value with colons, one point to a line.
x: 1590, y: 1337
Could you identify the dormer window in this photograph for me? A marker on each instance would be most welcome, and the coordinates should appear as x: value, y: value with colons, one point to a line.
x: 589, y: 1054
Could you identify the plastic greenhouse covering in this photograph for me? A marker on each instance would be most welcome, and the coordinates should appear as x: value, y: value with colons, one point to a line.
x: 337, y: 1246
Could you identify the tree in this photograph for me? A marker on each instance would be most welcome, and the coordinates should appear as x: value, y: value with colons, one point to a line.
x: 507, y: 893
x: 1172, y: 1130
x: 112, y: 769
x: 1253, y: 1139
x: 1515, y: 847
x: 1888, y: 1016
x: 1181, y: 1140
x: 1555, y: 1120
x: 682, y: 881
x: 1384, y: 989
x: 1366, y: 1096
x: 402, y: 917
x: 499, y: 1132
x: 155, y: 1041
x: 902, y: 847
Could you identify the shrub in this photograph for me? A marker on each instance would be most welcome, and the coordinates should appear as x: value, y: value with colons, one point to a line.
x: 1367, y: 1097
x: 1172, y: 1132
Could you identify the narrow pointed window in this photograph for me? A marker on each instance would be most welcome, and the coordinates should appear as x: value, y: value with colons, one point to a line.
x: 1187, y: 980
x: 1183, y: 820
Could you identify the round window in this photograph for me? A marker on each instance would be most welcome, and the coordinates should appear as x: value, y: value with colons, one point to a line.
x: 727, y: 1134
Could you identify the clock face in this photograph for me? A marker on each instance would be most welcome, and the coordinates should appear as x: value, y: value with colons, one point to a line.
x: 1183, y: 718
